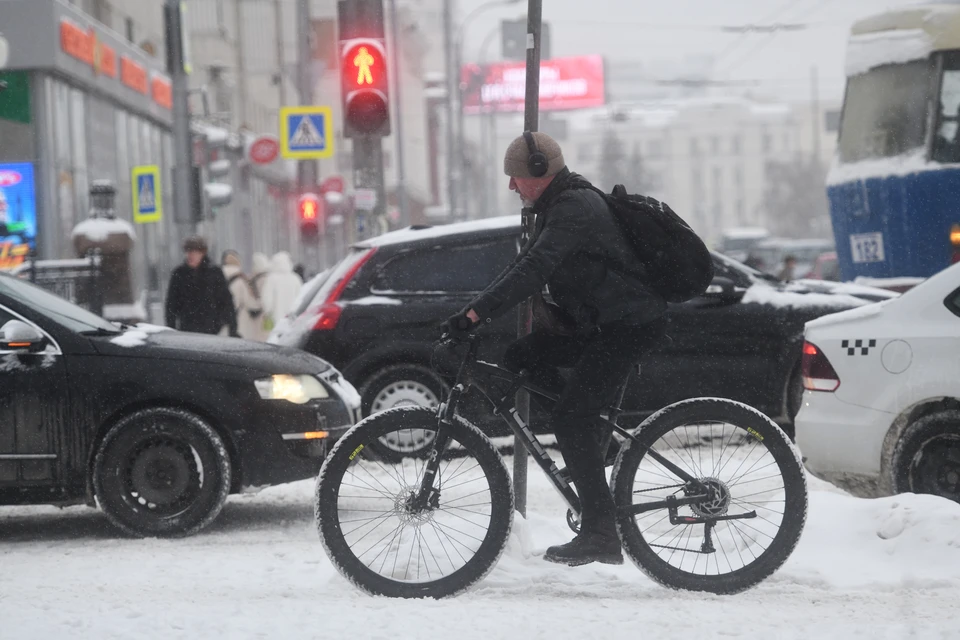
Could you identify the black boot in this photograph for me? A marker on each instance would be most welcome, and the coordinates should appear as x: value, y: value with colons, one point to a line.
x: 589, y: 546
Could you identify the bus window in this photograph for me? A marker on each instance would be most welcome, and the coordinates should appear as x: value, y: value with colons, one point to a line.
x: 885, y: 112
x: 946, y: 147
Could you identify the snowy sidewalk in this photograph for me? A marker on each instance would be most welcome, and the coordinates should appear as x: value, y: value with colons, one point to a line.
x: 876, y: 569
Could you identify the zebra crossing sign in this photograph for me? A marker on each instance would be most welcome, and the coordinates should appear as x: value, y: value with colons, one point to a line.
x: 306, y: 133
x: 147, y: 194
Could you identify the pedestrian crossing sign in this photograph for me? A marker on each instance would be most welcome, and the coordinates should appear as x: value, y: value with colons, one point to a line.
x: 147, y: 194
x: 306, y: 133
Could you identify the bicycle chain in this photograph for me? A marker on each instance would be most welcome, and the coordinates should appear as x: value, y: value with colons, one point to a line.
x: 669, y: 486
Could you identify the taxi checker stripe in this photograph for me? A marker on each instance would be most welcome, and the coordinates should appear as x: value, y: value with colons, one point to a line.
x: 858, y: 344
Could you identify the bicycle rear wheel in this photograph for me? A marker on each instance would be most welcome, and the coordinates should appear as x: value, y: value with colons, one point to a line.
x: 380, y: 540
x: 758, y: 500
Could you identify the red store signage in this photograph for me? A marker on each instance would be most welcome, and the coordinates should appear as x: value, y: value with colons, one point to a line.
x: 565, y: 83
x: 162, y: 92
x: 134, y: 75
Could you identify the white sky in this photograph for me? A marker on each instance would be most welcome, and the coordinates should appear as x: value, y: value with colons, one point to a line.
x: 667, y: 31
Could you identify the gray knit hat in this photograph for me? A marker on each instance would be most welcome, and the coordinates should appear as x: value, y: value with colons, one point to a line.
x: 515, y: 160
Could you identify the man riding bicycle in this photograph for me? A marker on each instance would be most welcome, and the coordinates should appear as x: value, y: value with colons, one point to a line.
x: 601, y: 316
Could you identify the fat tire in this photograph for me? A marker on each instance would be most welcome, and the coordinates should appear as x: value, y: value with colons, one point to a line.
x: 136, y: 520
x: 386, y: 376
x: 914, y: 437
x: 706, y: 410
x: 343, y: 558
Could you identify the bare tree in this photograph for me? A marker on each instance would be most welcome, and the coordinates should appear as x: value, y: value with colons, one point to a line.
x: 795, y: 198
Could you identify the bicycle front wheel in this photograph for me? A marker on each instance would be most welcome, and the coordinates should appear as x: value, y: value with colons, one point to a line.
x: 757, y: 502
x: 382, y: 540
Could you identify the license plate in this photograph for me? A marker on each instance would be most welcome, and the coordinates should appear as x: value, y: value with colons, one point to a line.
x: 867, y: 247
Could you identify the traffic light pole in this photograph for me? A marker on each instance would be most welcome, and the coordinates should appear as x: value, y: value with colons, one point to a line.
x: 182, y: 152
x: 307, y: 178
x: 368, y: 174
x: 531, y: 119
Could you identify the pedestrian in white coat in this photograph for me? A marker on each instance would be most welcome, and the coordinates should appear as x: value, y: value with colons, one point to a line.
x: 258, y: 278
x: 280, y: 290
x: 245, y: 303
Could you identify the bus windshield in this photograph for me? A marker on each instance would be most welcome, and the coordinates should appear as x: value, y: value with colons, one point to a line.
x: 885, y: 112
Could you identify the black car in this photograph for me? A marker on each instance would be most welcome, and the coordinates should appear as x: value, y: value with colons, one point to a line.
x: 376, y: 314
x: 157, y: 426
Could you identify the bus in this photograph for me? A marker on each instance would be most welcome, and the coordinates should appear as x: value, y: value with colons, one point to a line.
x: 894, y: 186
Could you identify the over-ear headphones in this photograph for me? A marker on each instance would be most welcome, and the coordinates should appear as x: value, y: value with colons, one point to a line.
x: 537, y: 163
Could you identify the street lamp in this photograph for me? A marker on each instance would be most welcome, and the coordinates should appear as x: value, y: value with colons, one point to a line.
x: 457, y: 88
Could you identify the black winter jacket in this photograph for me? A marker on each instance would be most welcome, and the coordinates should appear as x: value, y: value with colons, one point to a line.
x: 199, y: 300
x: 580, y: 253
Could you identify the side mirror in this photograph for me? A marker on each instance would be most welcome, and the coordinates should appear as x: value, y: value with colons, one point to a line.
x: 20, y: 336
x: 721, y: 289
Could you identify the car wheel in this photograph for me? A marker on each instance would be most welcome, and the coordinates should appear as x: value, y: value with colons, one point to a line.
x: 927, y: 457
x: 161, y: 473
x: 402, y: 386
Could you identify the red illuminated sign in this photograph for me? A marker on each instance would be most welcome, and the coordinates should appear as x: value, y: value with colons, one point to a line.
x: 363, y: 64
x: 264, y: 150
x: 86, y: 47
x: 565, y: 83
x: 134, y: 75
x: 9, y: 178
x: 162, y: 92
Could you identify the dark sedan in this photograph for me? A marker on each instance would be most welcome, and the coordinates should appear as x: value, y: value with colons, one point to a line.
x: 157, y: 426
x: 376, y: 314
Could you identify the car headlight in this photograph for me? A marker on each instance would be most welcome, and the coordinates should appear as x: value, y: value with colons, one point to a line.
x: 296, y: 389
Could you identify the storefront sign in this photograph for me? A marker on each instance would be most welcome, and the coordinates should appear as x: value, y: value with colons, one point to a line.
x: 133, y: 75
x: 162, y: 92
x: 86, y: 47
x: 565, y: 83
x: 18, y: 213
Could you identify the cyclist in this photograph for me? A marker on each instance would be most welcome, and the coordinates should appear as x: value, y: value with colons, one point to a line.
x: 598, y: 314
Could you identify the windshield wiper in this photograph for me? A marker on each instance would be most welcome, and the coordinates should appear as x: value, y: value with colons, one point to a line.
x: 100, y: 331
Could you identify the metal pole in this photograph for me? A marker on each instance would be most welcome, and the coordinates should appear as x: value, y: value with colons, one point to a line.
x: 815, y: 107
x: 531, y: 118
x: 452, y: 84
x: 278, y: 35
x: 306, y: 169
x: 241, y: 111
x: 182, y: 156
x: 398, y: 105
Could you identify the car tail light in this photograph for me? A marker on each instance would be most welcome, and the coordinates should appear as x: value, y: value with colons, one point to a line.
x: 329, y: 316
x: 818, y: 373
x: 348, y: 276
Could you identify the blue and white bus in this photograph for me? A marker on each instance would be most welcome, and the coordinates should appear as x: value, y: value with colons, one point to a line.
x: 894, y: 187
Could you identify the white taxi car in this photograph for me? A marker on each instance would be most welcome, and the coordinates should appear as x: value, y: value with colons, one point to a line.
x: 881, y: 407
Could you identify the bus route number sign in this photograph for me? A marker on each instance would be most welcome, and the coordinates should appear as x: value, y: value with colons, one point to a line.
x: 867, y: 247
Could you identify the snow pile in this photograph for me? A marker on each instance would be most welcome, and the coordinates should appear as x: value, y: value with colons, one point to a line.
x: 217, y: 191
x: 368, y: 300
x: 868, y: 50
x: 410, y: 234
x: 138, y: 336
x: 99, y: 229
x: 911, y: 162
x: 793, y: 295
x: 889, y: 283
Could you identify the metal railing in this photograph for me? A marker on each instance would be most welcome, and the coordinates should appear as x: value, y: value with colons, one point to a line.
x: 76, y: 279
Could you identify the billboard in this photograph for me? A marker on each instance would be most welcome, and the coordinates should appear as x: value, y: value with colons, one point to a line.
x: 565, y: 83
x: 18, y: 213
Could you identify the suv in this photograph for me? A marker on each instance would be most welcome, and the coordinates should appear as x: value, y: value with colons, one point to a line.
x: 376, y: 316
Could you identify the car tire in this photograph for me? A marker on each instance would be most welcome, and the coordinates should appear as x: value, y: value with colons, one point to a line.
x: 161, y: 473
x: 927, y: 456
x: 399, y: 386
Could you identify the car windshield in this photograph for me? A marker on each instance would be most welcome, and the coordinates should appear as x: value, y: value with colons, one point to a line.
x: 55, y: 308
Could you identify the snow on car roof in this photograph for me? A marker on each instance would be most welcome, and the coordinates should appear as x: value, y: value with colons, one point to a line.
x: 412, y: 234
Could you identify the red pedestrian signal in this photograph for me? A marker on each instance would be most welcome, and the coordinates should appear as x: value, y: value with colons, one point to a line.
x: 363, y: 74
x: 309, y: 206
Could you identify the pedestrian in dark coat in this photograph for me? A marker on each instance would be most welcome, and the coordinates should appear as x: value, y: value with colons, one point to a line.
x: 198, y: 298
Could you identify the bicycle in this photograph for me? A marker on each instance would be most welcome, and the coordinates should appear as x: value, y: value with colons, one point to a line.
x: 670, y: 481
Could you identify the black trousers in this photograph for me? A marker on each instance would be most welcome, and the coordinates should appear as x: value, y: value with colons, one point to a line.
x: 600, y: 363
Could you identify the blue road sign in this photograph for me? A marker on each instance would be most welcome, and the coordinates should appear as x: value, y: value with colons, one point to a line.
x: 147, y: 196
x: 306, y: 132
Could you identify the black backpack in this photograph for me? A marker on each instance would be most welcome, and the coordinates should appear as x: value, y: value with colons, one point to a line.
x: 675, y: 257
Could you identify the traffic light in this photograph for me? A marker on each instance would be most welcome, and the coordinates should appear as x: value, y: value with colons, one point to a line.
x: 364, y: 84
x: 310, y: 208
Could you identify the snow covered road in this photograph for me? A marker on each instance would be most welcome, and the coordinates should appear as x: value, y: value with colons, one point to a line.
x: 877, y: 569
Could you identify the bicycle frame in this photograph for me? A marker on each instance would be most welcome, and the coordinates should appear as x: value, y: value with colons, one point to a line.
x: 469, y: 375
